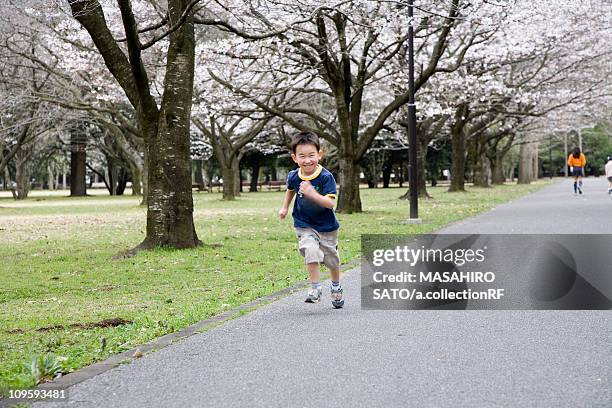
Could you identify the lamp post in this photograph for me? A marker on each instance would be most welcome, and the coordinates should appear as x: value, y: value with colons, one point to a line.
x: 565, y: 153
x: 412, y: 140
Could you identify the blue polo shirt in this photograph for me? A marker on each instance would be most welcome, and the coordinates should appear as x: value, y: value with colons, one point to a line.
x: 307, y: 214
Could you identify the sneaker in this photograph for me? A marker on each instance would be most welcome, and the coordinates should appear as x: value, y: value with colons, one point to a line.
x: 579, y: 190
x: 336, y: 295
x: 314, y: 295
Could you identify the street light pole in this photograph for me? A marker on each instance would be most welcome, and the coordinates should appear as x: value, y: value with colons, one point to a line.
x: 565, y: 153
x: 412, y: 139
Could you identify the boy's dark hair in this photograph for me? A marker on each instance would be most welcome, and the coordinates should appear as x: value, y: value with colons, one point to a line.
x: 576, y: 153
x: 304, y: 138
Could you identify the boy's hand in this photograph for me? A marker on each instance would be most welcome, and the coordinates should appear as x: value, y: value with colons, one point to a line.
x: 282, y: 213
x: 307, y: 189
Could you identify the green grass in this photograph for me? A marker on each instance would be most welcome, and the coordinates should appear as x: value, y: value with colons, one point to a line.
x: 57, y: 269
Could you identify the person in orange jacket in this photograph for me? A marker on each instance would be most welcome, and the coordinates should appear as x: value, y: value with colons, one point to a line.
x: 577, y: 161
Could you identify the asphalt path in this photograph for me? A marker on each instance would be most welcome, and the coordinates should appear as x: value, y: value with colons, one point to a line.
x: 292, y: 354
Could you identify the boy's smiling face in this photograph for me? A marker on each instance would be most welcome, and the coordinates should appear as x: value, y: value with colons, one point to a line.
x: 307, y: 157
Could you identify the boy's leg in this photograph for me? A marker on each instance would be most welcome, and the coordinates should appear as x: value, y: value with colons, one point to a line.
x: 315, y: 292
x: 308, y: 246
x: 329, y: 246
x: 335, y: 274
x: 314, y: 274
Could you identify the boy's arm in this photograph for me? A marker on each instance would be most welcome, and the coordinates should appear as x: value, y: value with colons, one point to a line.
x: 323, y: 200
x: 289, y: 194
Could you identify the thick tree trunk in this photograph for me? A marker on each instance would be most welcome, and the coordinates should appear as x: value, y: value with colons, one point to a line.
x: 497, y: 169
x: 50, y: 178
x: 169, y: 197
x: 525, y: 164
x: 165, y: 128
x: 78, y: 167
x: 136, y: 183
x: 112, y: 172
x: 23, y: 173
x: 481, y: 171
x: 254, y: 177
x: 349, y: 200
x: 457, y: 175
x: 122, y: 179
x: 228, y: 171
x: 386, y: 174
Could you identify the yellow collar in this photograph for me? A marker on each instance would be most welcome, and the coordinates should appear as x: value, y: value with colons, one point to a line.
x: 313, y: 175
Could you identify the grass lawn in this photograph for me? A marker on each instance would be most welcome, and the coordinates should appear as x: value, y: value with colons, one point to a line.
x: 57, y: 278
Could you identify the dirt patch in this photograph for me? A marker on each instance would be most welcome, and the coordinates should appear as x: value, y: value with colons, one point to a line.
x: 15, y: 331
x: 114, y: 322
x: 50, y: 328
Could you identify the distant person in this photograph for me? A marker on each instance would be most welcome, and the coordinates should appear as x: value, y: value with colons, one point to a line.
x: 609, y: 174
x: 577, y: 161
x: 315, y: 222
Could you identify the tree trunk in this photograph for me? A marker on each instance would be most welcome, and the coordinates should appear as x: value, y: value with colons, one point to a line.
x: 229, y: 180
x: 254, y: 177
x: 169, y: 197
x: 78, y: 168
x: 7, y: 181
x: 497, y: 169
x: 457, y: 175
x: 165, y: 128
x: 50, y: 178
x: 113, y: 175
x: 349, y: 200
x: 136, y: 175
x: 386, y: 173
x: 22, y: 174
x: 525, y: 164
x: 122, y: 179
x: 481, y: 171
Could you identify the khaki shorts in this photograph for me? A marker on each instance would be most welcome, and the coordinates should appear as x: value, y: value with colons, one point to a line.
x: 318, y: 247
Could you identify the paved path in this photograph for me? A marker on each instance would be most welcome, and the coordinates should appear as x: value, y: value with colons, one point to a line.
x: 290, y: 354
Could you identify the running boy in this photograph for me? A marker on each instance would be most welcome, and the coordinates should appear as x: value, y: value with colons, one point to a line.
x: 315, y: 222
